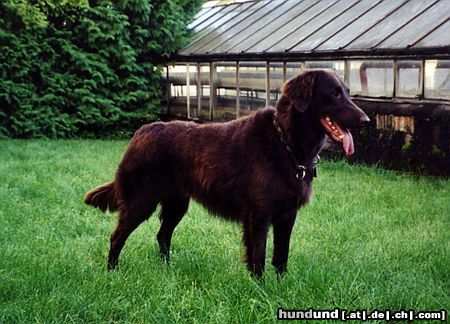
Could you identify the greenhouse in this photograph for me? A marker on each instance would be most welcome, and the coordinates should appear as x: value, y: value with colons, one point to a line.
x: 394, y: 55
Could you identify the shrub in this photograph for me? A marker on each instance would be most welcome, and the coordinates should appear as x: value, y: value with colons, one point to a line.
x: 78, y: 68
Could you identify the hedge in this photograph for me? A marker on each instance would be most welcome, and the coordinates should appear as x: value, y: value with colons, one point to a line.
x: 79, y: 68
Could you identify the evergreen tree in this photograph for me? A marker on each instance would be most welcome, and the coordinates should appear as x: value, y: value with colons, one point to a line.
x: 85, y: 68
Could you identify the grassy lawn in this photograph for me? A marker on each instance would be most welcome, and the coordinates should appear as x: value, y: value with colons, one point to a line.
x: 370, y: 239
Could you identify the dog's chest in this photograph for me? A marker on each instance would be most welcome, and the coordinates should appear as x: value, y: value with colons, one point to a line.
x: 294, y: 195
x: 303, y: 192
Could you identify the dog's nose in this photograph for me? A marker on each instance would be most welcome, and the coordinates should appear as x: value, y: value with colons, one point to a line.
x: 364, y: 120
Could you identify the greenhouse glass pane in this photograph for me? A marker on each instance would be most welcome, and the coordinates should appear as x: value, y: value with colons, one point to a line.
x: 324, y: 17
x: 178, y: 90
x: 212, y: 11
x: 371, y: 78
x: 419, y: 27
x: 226, y: 91
x: 220, y: 32
x: 204, y: 14
x: 437, y: 79
x: 274, y: 25
x: 367, y: 20
x: 409, y: 79
x: 439, y: 37
x: 343, y: 20
x: 220, y: 44
x: 264, y: 17
x: 218, y: 19
x: 276, y: 81
x: 205, y: 91
x: 389, y: 24
x: 313, y: 9
x: 214, y: 24
x: 191, y: 90
x: 252, y: 80
x: 337, y: 66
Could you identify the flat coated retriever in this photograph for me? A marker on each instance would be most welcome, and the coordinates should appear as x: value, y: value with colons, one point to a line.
x: 257, y: 169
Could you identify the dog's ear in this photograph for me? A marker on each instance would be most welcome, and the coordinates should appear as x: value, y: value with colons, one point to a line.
x: 299, y: 90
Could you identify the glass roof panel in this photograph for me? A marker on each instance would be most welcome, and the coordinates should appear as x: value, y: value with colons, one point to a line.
x: 340, y: 22
x: 280, y: 26
x: 439, y: 37
x: 297, y: 34
x: 274, y: 25
x: 258, y: 21
x: 419, y: 27
x: 218, y: 18
x: 401, y: 16
x: 303, y: 17
x: 237, y: 29
x: 199, y: 17
x: 212, y: 11
x: 361, y: 24
x: 218, y: 29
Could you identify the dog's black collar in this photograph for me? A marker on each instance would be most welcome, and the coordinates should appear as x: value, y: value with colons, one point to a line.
x: 301, y: 171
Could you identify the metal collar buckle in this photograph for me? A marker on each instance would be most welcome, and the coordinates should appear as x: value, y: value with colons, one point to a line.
x: 300, y: 175
x: 301, y: 170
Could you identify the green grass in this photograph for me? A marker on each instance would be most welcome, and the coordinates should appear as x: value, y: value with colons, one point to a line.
x: 370, y: 239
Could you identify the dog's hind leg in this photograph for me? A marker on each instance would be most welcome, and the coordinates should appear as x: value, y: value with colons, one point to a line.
x: 130, y: 218
x: 172, y: 211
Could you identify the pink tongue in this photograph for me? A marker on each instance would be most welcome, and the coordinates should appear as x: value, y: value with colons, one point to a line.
x: 347, y: 143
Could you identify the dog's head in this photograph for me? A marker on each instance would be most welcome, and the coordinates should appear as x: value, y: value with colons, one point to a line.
x: 324, y: 94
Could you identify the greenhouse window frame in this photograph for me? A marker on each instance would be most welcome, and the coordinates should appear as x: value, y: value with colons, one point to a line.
x: 266, y: 64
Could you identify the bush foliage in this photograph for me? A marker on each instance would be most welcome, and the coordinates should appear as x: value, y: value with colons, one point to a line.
x: 85, y: 68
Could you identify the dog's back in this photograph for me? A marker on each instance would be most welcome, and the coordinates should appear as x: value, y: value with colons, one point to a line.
x: 206, y: 162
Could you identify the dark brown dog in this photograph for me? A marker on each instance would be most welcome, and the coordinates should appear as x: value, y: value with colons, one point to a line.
x: 257, y: 169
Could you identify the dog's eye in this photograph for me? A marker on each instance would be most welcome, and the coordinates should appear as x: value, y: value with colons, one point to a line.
x: 337, y: 94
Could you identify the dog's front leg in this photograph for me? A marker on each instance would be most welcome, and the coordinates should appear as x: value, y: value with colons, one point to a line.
x: 255, y: 237
x: 282, y: 229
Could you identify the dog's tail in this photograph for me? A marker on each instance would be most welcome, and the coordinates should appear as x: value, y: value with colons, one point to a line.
x: 103, y: 197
